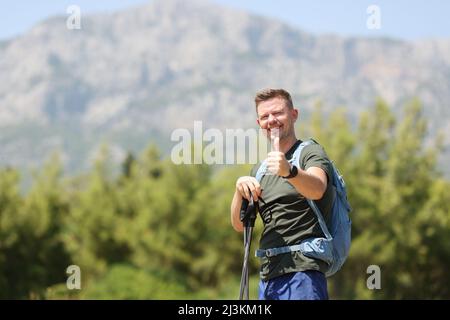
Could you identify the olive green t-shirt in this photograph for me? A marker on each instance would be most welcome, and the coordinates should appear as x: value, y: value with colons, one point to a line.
x: 287, y: 217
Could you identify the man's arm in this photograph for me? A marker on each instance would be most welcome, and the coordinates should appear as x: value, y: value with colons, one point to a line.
x: 311, y: 183
x: 235, y: 212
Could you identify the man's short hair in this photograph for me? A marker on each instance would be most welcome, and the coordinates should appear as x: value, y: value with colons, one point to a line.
x: 267, y: 94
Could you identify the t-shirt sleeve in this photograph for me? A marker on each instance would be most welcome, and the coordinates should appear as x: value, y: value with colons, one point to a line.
x: 315, y: 156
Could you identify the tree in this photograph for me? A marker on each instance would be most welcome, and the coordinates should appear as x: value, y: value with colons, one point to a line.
x: 399, y: 208
x: 33, y: 254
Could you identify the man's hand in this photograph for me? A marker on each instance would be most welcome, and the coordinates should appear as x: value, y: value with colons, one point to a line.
x: 248, y: 186
x: 277, y: 164
x: 276, y: 160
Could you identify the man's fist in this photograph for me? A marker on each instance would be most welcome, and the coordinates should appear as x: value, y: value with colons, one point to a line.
x: 248, y: 186
x: 277, y: 164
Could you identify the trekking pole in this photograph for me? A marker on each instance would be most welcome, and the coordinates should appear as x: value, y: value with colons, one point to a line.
x: 248, y: 217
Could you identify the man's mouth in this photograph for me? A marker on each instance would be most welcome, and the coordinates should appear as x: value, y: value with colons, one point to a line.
x: 275, y: 129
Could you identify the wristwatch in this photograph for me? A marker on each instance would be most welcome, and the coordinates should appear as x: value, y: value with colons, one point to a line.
x: 292, y: 173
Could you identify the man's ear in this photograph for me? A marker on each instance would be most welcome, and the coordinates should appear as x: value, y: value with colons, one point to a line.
x: 295, y: 113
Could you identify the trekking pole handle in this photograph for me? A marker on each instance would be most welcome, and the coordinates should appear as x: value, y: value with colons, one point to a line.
x: 248, y: 212
x: 244, y: 207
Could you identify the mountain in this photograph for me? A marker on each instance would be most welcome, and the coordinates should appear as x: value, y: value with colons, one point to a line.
x: 132, y: 77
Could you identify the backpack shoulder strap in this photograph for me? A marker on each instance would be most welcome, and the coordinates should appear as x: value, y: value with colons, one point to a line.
x: 296, y: 161
x: 261, y: 171
x: 297, y: 153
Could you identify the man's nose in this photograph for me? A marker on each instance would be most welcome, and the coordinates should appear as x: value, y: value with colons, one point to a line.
x: 272, y: 119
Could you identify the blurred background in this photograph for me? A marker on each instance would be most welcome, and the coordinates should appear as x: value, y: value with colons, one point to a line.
x: 89, y: 97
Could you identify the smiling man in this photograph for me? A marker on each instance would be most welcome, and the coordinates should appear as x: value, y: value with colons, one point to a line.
x: 288, y: 218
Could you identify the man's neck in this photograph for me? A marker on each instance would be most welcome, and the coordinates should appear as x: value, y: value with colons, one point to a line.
x: 287, y: 143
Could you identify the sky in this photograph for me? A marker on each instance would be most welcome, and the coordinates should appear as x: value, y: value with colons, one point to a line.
x: 404, y: 19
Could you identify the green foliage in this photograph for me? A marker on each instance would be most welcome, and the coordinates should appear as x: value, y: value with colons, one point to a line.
x: 157, y: 230
x: 32, y: 255
x: 394, y: 188
x: 127, y: 282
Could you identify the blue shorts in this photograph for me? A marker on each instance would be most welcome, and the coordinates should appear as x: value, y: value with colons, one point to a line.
x: 306, y: 285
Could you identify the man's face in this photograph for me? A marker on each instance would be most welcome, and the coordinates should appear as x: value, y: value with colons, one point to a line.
x: 274, y: 113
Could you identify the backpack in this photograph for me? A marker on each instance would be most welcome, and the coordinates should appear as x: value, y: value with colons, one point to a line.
x: 334, y: 248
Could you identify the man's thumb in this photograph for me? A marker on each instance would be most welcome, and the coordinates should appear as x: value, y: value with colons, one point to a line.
x: 275, y: 138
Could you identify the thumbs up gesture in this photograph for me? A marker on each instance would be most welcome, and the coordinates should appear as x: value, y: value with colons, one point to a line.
x: 276, y: 160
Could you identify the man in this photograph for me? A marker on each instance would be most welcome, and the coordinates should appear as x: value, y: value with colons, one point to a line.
x: 287, y: 217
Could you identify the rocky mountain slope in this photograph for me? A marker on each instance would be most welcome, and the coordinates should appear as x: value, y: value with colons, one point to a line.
x: 134, y: 76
